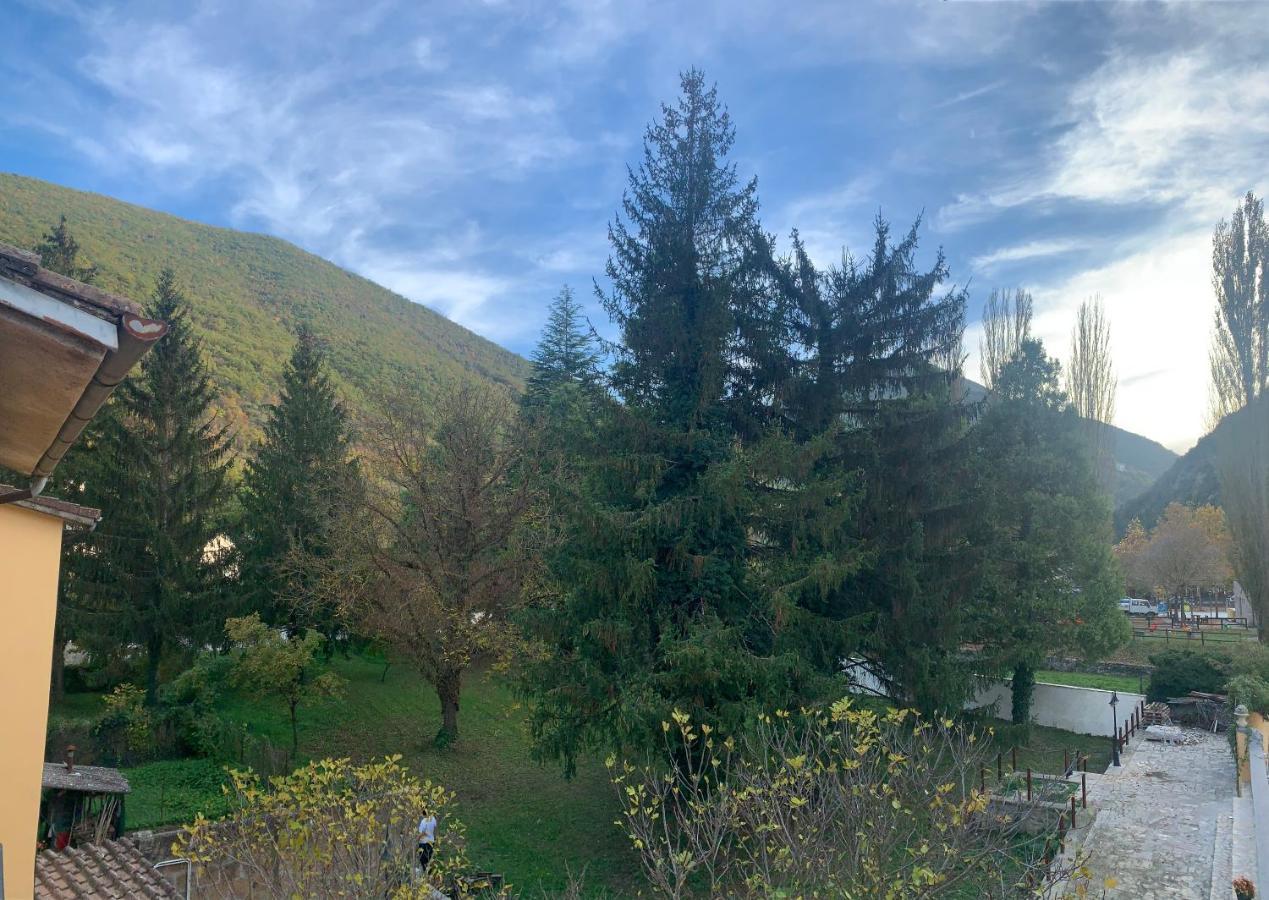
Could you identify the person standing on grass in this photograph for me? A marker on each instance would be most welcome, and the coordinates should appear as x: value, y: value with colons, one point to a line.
x: 427, y: 841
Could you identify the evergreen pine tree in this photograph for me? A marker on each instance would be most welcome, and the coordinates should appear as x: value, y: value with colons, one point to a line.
x: 661, y: 597
x: 565, y: 355
x: 875, y: 347
x: 59, y: 252
x: 299, y: 473
x: 153, y: 576
x: 1049, y: 581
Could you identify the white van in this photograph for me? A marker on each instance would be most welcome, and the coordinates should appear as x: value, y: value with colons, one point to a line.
x: 1136, y: 607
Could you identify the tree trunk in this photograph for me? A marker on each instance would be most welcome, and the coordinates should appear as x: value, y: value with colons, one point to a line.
x: 295, y: 732
x: 154, y: 652
x: 1021, y: 691
x: 57, y: 682
x: 448, y: 688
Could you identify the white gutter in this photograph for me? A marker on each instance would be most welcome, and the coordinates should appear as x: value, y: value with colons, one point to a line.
x: 60, y: 315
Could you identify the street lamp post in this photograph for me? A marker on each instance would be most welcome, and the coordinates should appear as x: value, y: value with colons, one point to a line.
x: 1114, y: 734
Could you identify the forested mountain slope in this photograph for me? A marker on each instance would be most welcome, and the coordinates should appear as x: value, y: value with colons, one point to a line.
x: 1139, y: 461
x: 249, y: 291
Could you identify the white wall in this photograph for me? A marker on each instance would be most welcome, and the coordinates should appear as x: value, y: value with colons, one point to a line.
x: 1079, y: 709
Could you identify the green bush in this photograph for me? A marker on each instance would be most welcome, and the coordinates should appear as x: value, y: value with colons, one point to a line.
x: 1249, y: 690
x: 1177, y: 672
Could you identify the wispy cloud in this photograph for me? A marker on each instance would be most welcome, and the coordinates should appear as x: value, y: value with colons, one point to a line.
x: 1025, y: 252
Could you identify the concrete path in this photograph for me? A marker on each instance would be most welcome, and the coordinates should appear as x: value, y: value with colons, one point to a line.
x: 1164, y: 823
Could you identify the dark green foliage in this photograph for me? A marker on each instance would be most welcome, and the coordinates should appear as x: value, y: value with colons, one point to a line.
x: 249, y: 292
x: 663, y: 599
x: 59, y: 251
x: 300, y: 475
x: 1021, y: 692
x: 1049, y: 582
x: 566, y: 358
x: 1177, y: 672
x: 871, y: 346
x: 149, y: 574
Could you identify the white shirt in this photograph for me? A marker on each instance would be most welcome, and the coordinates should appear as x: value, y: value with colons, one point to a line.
x: 427, y: 830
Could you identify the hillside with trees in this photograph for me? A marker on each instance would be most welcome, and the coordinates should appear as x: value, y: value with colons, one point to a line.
x: 249, y: 294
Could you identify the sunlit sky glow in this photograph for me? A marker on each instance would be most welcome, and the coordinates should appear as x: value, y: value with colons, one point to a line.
x: 470, y: 155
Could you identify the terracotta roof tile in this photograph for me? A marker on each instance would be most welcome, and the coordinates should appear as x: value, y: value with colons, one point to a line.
x: 113, y: 870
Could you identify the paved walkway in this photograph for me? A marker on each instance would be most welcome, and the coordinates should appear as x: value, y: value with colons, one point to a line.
x: 1164, y: 826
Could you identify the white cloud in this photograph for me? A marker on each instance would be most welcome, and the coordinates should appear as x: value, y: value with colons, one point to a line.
x: 1189, y: 130
x: 1159, y: 301
x: 1029, y: 250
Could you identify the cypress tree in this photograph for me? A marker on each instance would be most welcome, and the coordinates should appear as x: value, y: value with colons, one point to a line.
x: 300, y: 472
x: 153, y: 576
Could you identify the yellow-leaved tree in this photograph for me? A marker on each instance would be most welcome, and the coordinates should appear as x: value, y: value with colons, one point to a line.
x: 329, y: 829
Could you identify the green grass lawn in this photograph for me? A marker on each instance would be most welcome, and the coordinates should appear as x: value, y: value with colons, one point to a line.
x: 1047, y: 749
x: 1128, y: 683
x: 523, y: 820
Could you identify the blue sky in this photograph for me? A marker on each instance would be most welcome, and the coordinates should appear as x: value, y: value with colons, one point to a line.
x: 470, y: 155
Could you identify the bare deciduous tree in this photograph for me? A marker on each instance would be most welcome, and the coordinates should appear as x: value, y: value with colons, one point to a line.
x: 1240, y: 279
x: 839, y: 802
x: 1006, y: 324
x: 1091, y: 384
x: 434, y: 558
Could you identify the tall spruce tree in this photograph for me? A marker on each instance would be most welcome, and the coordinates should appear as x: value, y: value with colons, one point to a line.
x: 300, y: 472
x: 153, y: 575
x: 660, y: 596
x: 875, y: 347
x: 566, y: 356
x: 59, y: 252
x: 1049, y: 581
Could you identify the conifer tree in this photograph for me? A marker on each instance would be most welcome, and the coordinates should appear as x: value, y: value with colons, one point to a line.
x: 59, y: 252
x: 875, y: 346
x: 300, y: 472
x: 1049, y: 580
x: 153, y: 575
x: 662, y: 600
x: 565, y: 356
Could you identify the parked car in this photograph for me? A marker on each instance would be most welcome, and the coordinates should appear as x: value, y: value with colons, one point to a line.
x: 1135, y: 607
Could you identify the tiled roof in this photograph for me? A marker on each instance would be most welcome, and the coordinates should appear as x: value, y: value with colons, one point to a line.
x: 92, y: 779
x: 63, y: 509
x: 113, y: 870
x: 24, y: 266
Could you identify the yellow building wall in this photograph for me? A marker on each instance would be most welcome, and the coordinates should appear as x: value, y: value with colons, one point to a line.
x: 30, y: 555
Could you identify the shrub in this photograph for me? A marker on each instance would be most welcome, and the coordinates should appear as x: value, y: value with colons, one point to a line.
x: 1177, y: 672
x: 1249, y: 690
x: 843, y: 802
x: 329, y: 829
x: 125, y: 728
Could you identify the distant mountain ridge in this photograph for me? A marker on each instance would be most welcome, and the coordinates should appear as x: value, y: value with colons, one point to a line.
x: 1193, y: 479
x: 1139, y: 461
x: 249, y: 291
